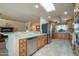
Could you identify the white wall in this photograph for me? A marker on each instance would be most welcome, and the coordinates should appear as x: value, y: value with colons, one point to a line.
x: 43, y: 20
x: 18, y: 26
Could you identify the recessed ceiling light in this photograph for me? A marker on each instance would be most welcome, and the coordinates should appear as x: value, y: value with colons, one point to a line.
x: 36, y: 6
x: 65, y: 12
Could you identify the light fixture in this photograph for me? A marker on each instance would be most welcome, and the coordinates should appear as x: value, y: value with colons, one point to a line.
x: 48, y: 6
x: 65, y: 12
x: 36, y: 6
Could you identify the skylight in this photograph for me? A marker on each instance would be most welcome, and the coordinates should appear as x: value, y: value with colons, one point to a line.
x: 48, y: 6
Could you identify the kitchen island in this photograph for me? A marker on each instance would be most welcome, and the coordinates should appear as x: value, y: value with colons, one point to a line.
x: 19, y: 43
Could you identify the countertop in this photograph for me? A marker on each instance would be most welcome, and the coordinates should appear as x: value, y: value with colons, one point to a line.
x: 19, y: 35
x: 62, y: 32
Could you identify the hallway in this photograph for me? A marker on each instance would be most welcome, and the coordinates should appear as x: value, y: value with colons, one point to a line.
x: 56, y: 48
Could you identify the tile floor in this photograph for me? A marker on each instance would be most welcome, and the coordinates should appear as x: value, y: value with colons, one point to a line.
x: 56, y: 48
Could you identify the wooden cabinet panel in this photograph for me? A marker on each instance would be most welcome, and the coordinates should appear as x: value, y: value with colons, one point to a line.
x: 22, y: 47
x: 39, y: 42
x: 42, y: 40
x: 61, y: 36
x: 30, y: 46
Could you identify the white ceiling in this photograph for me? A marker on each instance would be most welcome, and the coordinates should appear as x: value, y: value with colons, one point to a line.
x: 26, y: 11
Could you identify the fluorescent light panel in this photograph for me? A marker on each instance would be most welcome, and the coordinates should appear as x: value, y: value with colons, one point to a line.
x: 48, y: 6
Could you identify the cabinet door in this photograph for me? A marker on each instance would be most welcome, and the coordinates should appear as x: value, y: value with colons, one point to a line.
x: 22, y: 47
x: 46, y: 39
x: 39, y: 42
x: 31, y: 46
x: 43, y: 40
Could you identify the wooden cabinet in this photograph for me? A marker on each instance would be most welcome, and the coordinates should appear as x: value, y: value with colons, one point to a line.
x: 22, y: 47
x: 39, y: 42
x: 30, y: 46
x: 42, y: 40
x: 61, y: 36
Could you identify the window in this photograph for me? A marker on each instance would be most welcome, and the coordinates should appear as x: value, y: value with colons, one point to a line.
x: 61, y: 28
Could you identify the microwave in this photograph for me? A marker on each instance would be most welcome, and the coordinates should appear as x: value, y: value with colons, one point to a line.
x: 6, y: 29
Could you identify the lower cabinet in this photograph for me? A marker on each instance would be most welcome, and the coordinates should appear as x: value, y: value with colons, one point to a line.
x: 42, y: 40
x: 22, y: 47
x: 61, y: 36
x: 39, y: 42
x: 30, y: 45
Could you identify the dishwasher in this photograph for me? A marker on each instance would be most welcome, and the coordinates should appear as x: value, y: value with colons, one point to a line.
x: 31, y: 45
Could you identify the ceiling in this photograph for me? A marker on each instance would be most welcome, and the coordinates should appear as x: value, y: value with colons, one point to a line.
x: 25, y: 12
